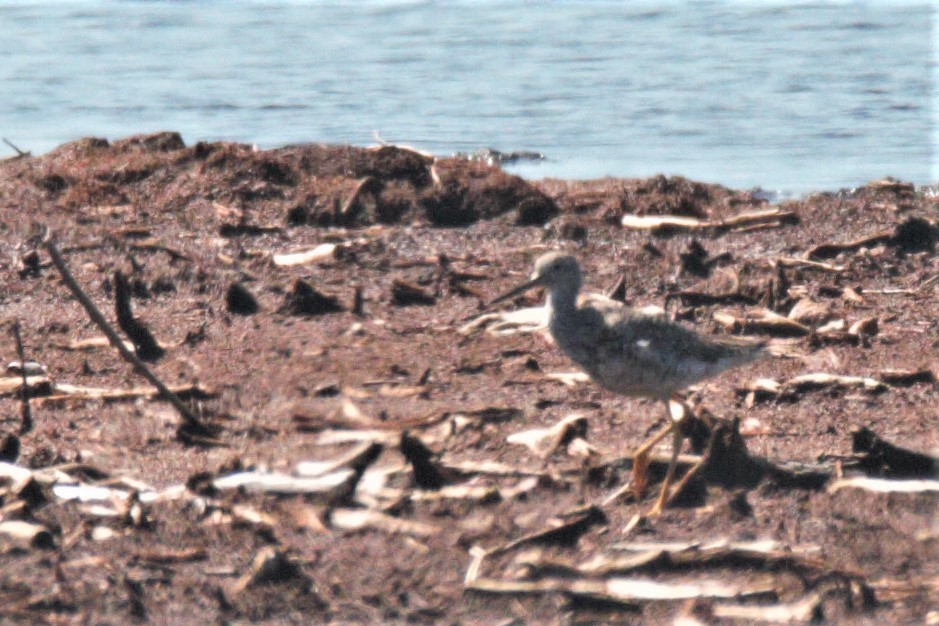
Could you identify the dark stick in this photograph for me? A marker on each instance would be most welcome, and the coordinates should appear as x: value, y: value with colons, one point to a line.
x: 116, y: 341
x: 146, y: 345
x: 18, y: 151
x: 26, y: 411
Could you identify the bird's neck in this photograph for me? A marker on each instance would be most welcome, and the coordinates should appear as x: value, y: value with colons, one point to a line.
x: 563, y: 299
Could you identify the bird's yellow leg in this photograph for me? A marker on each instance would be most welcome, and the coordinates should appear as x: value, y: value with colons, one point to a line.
x: 640, y: 472
x: 641, y: 458
x: 677, y: 439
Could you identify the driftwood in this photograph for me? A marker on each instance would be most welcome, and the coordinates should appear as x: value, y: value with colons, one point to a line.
x: 628, y: 591
x: 883, y: 485
x: 766, y: 218
x: 193, y: 428
x: 565, y: 530
x: 25, y: 535
x: 364, y: 519
x: 60, y: 392
x: 545, y: 441
x: 322, y: 252
x: 31, y: 385
x: 766, y: 388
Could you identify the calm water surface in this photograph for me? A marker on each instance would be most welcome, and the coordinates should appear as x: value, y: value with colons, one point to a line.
x: 789, y: 97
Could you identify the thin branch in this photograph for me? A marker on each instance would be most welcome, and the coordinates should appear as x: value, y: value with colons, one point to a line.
x: 190, y: 419
x: 18, y: 151
x: 144, y: 342
x: 27, y: 424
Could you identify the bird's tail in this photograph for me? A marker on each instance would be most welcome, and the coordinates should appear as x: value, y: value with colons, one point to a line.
x: 743, y: 350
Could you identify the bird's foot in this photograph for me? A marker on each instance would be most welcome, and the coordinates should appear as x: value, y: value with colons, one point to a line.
x: 658, y: 508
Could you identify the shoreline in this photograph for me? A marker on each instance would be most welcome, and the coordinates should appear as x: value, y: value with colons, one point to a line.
x: 507, y: 163
x: 523, y: 163
x: 378, y: 444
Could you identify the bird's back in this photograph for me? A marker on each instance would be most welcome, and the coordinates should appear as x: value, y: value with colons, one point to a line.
x: 641, y: 353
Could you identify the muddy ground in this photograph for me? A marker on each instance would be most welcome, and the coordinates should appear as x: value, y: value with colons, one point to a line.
x: 286, y: 363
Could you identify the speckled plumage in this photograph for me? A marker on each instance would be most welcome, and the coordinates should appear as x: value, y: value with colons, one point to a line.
x: 629, y: 351
x: 625, y: 350
x: 635, y: 353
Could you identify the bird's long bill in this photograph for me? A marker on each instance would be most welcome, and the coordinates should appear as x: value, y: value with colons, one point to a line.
x: 516, y: 291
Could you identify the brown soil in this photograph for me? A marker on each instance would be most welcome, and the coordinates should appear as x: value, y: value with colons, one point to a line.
x: 422, y: 245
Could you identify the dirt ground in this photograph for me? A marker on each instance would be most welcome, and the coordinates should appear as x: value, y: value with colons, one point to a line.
x: 361, y: 354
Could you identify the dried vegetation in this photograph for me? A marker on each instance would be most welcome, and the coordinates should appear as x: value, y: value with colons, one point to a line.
x: 341, y: 433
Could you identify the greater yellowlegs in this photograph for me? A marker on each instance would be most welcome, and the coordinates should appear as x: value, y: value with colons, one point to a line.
x: 631, y: 352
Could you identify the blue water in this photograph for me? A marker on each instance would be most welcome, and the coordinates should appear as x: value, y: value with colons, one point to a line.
x: 789, y: 97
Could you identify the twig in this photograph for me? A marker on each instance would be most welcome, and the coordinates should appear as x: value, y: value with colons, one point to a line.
x: 27, y: 424
x: 18, y: 151
x: 146, y: 345
x: 188, y: 417
x: 928, y: 282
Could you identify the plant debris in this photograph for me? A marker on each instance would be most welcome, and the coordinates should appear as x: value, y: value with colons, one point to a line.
x: 305, y: 299
x: 343, y: 454
x: 404, y: 293
x: 240, y: 300
x: 675, y: 223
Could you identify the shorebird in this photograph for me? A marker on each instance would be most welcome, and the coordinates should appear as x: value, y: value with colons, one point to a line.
x: 631, y: 352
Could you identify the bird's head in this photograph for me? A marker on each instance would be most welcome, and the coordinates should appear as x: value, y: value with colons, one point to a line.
x: 553, y: 270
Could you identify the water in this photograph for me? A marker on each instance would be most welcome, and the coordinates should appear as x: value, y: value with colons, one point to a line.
x: 792, y: 98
